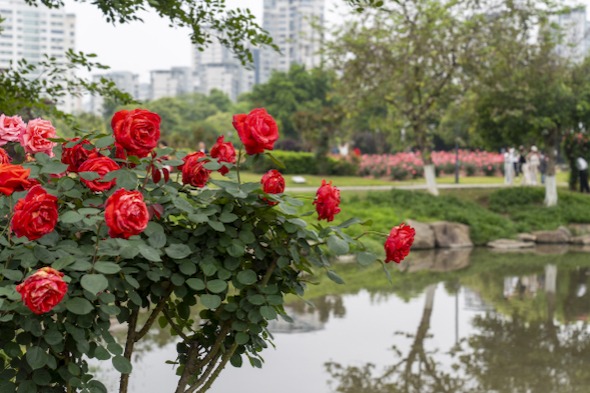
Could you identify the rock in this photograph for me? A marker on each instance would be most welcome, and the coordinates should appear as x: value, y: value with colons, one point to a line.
x: 424, y: 239
x: 579, y: 229
x: 526, y: 237
x: 565, y: 230
x: 509, y: 244
x: 581, y: 240
x: 558, y: 236
x: 451, y: 234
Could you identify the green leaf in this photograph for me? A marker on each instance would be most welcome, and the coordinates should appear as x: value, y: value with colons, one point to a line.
x: 149, y: 253
x: 188, y: 268
x: 36, y: 357
x: 365, y: 258
x: 196, y: 283
x: 13, y: 275
x: 183, y: 205
x: 247, y: 277
x: 227, y: 217
x: 53, y: 337
x: 79, y: 306
x: 70, y: 217
x: 268, y: 312
x: 41, y: 377
x: 210, y: 301
x: 54, y: 167
x: 242, y: 338
x: 335, y: 277
x: 107, y: 267
x: 122, y: 365
x: 104, y: 141
x: 216, y: 286
x: 219, y: 227
x: 157, y: 239
x: 275, y: 160
x: 27, y: 387
x: 94, y: 283
x: 89, y: 175
x: 178, y: 251
x: 337, y: 245
x: 125, y: 178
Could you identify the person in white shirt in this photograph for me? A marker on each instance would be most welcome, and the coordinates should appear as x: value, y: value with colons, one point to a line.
x: 582, y: 166
x: 534, y: 161
x: 509, y: 166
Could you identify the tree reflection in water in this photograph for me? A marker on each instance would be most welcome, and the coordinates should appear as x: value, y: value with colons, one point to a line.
x: 507, y: 353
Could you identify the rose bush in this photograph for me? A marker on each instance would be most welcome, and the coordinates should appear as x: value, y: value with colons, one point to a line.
x: 98, y: 231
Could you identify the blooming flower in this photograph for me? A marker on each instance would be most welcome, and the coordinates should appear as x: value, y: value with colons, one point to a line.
x: 35, y: 215
x: 126, y: 214
x: 398, y: 243
x: 272, y: 183
x: 326, y: 201
x: 10, y: 128
x: 43, y: 290
x: 258, y: 130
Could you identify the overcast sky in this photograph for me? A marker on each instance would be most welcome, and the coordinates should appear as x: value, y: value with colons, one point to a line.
x: 140, y: 47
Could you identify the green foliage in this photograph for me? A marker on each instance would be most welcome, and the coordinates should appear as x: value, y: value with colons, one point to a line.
x: 302, y: 163
x: 222, y: 250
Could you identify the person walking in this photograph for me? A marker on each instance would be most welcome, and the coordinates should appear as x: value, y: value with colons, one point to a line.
x: 542, y: 166
x: 523, y: 167
x: 534, y: 161
x: 582, y: 166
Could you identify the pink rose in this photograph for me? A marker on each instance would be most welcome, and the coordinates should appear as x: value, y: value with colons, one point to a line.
x: 35, y: 138
x: 10, y: 128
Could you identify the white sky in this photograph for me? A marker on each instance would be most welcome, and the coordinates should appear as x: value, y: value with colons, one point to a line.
x: 141, y: 47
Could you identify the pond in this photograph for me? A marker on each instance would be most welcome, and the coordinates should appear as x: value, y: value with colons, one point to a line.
x: 454, y: 321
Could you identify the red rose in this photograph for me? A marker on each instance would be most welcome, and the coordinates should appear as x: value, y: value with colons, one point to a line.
x: 326, y: 201
x: 126, y: 214
x: 257, y: 130
x: 13, y: 178
x: 74, y: 156
x: 224, y: 152
x: 193, y: 171
x: 398, y: 243
x: 101, y: 165
x: 272, y: 183
x: 43, y: 290
x: 137, y: 131
x: 35, y: 215
x: 4, y: 157
x: 35, y: 138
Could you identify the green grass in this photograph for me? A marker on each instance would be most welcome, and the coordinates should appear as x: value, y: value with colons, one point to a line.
x: 490, y: 213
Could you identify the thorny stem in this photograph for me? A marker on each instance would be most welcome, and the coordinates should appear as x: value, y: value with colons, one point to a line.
x: 124, y: 382
x: 269, y: 272
x: 226, y: 357
x: 151, y: 319
x: 238, y: 165
x: 175, y: 327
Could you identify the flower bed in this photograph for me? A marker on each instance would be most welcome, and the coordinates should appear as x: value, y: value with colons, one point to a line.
x: 404, y: 166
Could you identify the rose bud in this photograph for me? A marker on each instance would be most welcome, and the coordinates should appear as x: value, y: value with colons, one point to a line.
x: 224, y: 152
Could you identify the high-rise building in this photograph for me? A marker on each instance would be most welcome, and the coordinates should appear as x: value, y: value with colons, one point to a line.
x: 124, y: 80
x: 216, y: 67
x: 172, y: 82
x: 292, y: 25
x: 575, y: 31
x: 30, y: 33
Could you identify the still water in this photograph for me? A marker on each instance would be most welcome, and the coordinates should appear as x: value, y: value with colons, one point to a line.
x: 461, y: 321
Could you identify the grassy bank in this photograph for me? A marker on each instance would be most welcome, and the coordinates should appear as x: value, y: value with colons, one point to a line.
x: 490, y: 214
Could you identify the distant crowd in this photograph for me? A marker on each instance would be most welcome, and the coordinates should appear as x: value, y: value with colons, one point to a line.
x: 525, y: 165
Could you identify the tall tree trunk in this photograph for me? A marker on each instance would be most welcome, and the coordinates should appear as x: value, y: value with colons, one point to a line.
x: 429, y: 171
x: 550, y: 180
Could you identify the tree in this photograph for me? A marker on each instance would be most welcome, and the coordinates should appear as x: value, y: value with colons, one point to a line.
x: 524, y: 90
x: 406, y: 54
x: 304, y: 104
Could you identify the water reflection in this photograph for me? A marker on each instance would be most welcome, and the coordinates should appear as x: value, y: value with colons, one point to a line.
x: 460, y: 321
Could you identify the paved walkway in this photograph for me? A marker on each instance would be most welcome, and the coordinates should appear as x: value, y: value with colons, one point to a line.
x: 403, y: 187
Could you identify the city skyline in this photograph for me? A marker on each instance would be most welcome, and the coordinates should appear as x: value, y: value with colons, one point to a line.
x: 152, y: 45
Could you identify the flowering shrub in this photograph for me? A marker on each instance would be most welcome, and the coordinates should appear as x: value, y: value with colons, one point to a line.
x: 102, y: 228
x: 403, y: 166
